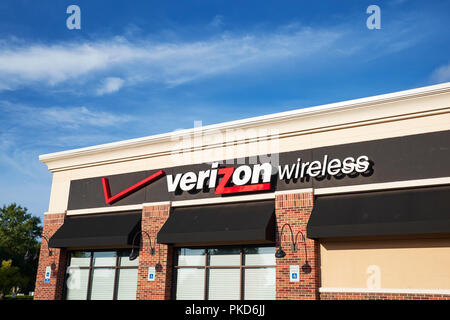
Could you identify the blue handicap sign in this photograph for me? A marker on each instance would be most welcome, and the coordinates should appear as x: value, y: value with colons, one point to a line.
x: 294, y: 276
x: 150, y: 276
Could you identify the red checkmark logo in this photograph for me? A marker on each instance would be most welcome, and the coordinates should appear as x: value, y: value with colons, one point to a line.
x: 128, y: 191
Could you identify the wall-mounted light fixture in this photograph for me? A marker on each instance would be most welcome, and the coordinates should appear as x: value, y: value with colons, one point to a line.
x: 28, y: 253
x: 135, y: 253
x: 280, y: 253
x: 306, y: 268
x: 159, y: 266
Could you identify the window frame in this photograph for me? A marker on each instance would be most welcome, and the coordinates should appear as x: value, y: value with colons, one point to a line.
x: 241, y: 267
x: 91, y: 267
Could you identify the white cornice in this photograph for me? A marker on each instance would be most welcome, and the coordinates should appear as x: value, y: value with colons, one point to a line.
x: 260, y: 120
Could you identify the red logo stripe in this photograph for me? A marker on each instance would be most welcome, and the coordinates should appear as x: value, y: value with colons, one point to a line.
x: 126, y: 192
x: 227, y: 173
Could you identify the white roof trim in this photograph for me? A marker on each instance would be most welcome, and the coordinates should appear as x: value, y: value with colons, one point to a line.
x: 344, y: 105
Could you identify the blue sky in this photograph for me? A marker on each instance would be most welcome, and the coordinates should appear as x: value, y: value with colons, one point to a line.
x: 137, y: 68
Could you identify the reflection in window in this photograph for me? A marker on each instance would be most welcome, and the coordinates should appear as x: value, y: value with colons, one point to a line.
x: 224, y: 257
x: 191, y: 257
x: 104, y: 258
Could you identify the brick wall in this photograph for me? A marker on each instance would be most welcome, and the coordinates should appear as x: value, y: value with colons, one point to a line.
x: 54, y: 289
x: 381, y: 296
x: 295, y: 209
x: 153, y: 218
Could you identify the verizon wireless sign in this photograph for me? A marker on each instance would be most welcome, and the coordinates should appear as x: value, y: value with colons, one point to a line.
x: 402, y: 158
x: 245, y: 178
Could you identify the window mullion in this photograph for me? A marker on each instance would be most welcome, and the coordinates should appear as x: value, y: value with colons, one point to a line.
x: 115, y: 276
x: 89, y: 276
x: 206, y: 274
x: 241, y: 275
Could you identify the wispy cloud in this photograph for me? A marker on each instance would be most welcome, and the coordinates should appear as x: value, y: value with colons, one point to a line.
x: 217, y: 21
x: 441, y: 74
x: 110, y: 85
x: 160, y: 62
x: 106, y: 64
x: 28, y: 131
x: 64, y: 117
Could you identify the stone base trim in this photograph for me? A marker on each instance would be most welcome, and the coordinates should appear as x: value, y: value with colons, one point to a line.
x: 383, y: 294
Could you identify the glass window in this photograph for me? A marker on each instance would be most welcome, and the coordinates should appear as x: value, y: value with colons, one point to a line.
x: 191, y: 257
x: 224, y: 257
x: 104, y: 258
x: 112, y: 275
x: 77, y: 283
x: 259, y: 256
x: 124, y: 259
x: 102, y: 284
x: 191, y: 284
x: 259, y: 284
x: 80, y: 258
x: 224, y: 284
x: 226, y: 273
x: 127, y: 284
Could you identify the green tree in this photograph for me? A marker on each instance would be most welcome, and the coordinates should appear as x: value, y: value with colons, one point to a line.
x: 9, y: 277
x: 19, y: 234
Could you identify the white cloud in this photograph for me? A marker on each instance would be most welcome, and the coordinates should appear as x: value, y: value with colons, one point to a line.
x: 217, y: 21
x: 64, y: 117
x: 28, y: 131
x: 161, y: 62
x: 441, y: 74
x: 57, y: 63
x: 175, y: 63
x: 110, y: 85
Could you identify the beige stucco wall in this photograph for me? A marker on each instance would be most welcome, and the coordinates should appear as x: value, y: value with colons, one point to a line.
x: 403, y: 264
x: 392, y: 118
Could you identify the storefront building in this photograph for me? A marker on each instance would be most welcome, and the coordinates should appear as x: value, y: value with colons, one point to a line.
x: 343, y: 201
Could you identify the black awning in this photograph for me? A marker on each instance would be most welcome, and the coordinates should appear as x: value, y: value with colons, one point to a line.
x: 251, y: 222
x: 107, y: 229
x: 381, y: 213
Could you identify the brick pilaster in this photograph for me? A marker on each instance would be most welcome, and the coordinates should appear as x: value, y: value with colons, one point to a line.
x: 54, y: 289
x: 153, y: 218
x: 295, y: 209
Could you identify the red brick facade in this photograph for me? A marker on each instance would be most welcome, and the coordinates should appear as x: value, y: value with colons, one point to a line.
x: 54, y: 289
x: 295, y: 209
x: 153, y: 218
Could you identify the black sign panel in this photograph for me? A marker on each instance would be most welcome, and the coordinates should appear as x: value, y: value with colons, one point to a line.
x: 411, y: 157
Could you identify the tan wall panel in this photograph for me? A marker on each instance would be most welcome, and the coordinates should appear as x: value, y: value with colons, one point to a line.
x: 383, y: 130
x: 59, y: 194
x: 403, y: 264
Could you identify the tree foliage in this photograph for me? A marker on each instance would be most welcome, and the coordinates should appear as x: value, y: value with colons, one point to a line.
x: 19, y: 234
x: 9, y: 277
